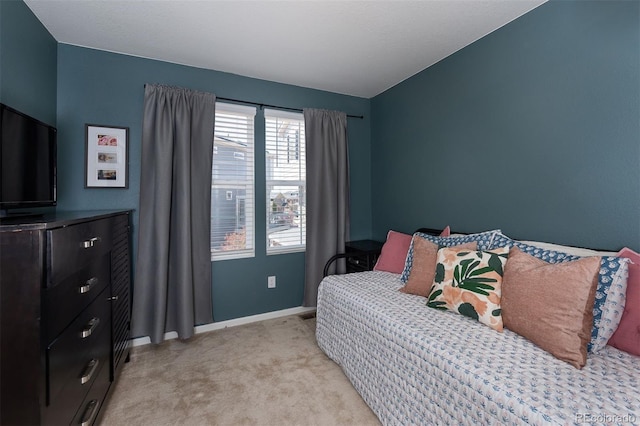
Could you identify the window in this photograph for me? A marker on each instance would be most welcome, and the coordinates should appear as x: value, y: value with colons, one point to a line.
x: 232, y: 187
x: 286, y: 181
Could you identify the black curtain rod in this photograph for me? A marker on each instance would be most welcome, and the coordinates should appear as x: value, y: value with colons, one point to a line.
x: 269, y: 106
x: 262, y: 106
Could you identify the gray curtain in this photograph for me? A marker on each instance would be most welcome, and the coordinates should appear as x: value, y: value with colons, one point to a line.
x: 172, y: 287
x: 327, y: 194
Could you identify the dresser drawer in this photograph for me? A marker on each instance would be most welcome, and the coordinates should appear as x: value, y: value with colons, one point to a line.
x: 92, y: 404
x: 76, y: 357
x: 64, y: 301
x: 358, y: 264
x: 74, y: 246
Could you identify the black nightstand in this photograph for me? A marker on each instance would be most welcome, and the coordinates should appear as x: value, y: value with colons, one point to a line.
x: 361, y: 255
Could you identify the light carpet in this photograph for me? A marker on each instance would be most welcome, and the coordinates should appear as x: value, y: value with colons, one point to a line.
x: 266, y: 373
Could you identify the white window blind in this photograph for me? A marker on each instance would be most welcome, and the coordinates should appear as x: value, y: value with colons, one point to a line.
x: 286, y: 181
x: 232, y: 183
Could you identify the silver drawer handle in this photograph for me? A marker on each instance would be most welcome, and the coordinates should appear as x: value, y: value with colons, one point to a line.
x: 89, y: 413
x: 88, y: 285
x: 89, y: 370
x: 90, y: 327
x: 90, y: 242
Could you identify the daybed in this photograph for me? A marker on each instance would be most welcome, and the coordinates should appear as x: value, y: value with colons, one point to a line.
x: 417, y: 365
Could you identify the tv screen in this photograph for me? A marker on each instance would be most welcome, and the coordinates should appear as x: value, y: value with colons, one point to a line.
x: 27, y: 161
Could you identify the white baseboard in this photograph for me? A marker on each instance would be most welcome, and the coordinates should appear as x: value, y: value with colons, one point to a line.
x: 141, y: 341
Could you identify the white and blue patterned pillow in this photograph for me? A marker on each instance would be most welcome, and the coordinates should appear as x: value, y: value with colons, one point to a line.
x: 611, y: 291
x: 484, y: 240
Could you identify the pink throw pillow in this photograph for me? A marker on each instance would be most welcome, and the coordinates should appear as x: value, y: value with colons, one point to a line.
x: 627, y: 336
x: 423, y: 268
x: 394, y: 253
x: 551, y: 304
x: 446, y: 232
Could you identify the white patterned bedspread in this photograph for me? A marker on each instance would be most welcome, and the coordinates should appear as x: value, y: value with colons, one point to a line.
x: 416, y: 365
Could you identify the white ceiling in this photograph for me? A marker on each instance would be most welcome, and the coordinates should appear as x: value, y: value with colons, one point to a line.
x: 358, y: 48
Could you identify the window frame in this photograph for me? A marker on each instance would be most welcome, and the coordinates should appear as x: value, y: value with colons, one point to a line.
x: 248, y: 185
x: 299, y: 183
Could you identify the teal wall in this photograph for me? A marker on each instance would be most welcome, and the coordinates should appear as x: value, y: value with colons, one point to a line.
x: 27, y: 62
x: 105, y: 88
x: 534, y: 129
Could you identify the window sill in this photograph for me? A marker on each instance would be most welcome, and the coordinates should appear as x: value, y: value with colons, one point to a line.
x: 271, y: 251
x: 231, y: 256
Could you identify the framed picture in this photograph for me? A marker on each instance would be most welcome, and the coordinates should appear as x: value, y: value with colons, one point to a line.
x: 106, y: 162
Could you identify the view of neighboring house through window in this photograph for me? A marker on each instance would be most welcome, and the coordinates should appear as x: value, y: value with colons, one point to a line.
x: 286, y: 181
x: 232, y: 187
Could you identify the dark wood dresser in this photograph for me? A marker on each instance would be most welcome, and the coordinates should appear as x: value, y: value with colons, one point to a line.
x: 65, y: 310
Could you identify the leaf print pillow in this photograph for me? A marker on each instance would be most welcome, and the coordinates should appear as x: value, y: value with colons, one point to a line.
x: 469, y: 282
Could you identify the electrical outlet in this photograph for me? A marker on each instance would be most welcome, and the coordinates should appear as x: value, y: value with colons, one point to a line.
x: 271, y: 281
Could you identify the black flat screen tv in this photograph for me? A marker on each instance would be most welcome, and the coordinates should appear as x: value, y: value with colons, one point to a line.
x: 27, y: 161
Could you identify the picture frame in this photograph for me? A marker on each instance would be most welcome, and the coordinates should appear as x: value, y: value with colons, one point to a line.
x: 106, y: 156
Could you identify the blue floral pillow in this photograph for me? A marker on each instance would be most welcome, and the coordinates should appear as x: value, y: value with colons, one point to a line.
x: 611, y: 291
x: 484, y: 240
